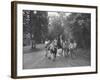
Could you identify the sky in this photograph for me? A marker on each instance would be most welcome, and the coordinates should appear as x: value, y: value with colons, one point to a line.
x: 56, y: 14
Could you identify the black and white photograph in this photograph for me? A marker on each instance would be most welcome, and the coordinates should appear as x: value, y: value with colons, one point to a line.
x: 56, y: 39
x: 53, y: 39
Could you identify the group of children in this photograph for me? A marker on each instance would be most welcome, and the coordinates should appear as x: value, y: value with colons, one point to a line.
x: 59, y: 47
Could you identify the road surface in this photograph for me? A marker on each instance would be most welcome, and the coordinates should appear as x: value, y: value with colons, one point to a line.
x: 35, y: 58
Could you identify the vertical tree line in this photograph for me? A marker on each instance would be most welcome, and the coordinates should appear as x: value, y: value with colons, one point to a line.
x: 73, y: 26
x: 36, y: 24
x: 80, y: 24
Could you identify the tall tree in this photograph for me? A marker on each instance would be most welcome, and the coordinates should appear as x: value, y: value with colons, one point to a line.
x: 37, y: 25
x: 80, y: 24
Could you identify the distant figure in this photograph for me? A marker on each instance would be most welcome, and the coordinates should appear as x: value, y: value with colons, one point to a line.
x: 47, y: 43
x: 64, y: 48
x: 67, y: 46
x: 72, y: 46
x: 59, y: 42
x: 75, y: 44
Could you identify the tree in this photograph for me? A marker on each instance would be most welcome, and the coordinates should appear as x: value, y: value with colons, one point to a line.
x: 43, y: 24
x: 80, y: 24
x: 26, y: 27
x: 37, y: 25
x: 55, y: 27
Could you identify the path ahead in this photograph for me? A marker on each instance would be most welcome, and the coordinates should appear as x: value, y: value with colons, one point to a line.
x: 35, y: 59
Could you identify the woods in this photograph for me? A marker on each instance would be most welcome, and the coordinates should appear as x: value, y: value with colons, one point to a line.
x: 80, y: 25
x: 41, y: 25
x: 35, y: 24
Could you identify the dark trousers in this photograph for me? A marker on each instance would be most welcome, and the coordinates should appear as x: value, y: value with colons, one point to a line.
x: 54, y: 52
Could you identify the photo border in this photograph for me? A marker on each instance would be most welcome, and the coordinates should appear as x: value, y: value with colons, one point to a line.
x: 14, y: 37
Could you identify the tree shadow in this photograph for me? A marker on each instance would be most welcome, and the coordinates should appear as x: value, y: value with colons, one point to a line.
x: 32, y: 50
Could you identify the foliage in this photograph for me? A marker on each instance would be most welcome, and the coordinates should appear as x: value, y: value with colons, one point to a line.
x: 55, y: 27
x: 80, y: 24
x: 40, y: 25
x: 35, y: 23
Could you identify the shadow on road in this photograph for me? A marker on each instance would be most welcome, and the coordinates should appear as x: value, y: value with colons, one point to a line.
x: 32, y: 50
x: 28, y: 49
x: 34, y: 58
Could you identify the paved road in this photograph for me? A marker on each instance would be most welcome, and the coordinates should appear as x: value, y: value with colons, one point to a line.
x: 35, y: 59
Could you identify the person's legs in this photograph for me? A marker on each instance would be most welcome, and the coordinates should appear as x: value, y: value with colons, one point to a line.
x: 54, y: 54
x: 65, y: 52
x: 72, y: 53
x: 46, y: 52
